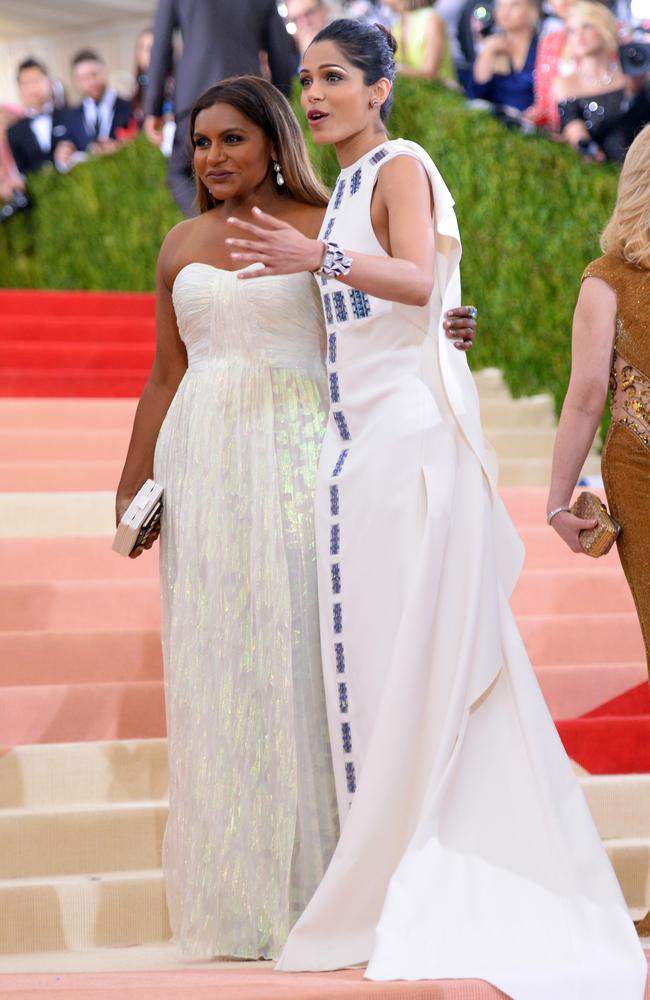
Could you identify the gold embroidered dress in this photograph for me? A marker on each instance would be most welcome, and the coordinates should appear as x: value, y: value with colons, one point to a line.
x: 626, y: 454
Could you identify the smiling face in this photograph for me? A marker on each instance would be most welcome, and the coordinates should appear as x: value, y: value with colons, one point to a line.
x: 584, y: 38
x: 232, y: 156
x: 335, y: 97
x: 90, y: 78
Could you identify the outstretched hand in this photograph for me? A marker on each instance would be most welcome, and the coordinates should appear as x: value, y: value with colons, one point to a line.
x: 281, y: 248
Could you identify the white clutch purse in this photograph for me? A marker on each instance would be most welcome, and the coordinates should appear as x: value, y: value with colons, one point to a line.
x: 139, y: 519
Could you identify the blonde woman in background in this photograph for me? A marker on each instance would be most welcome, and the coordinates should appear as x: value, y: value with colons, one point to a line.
x: 421, y: 36
x: 611, y: 346
x: 590, y: 100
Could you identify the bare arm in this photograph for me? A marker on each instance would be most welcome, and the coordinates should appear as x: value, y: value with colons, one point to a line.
x: 406, y: 276
x: 594, y: 325
x: 169, y: 366
x: 485, y: 64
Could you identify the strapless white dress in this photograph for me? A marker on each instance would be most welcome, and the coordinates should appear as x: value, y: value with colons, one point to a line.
x: 253, y: 820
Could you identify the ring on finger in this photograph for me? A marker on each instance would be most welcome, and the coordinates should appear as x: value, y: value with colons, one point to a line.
x: 472, y: 311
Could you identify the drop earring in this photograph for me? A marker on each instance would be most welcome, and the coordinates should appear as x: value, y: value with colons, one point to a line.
x: 279, y: 178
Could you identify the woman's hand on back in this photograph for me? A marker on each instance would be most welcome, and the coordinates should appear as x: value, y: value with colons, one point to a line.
x: 280, y: 247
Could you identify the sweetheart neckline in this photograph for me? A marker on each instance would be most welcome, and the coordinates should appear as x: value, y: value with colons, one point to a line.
x: 225, y: 270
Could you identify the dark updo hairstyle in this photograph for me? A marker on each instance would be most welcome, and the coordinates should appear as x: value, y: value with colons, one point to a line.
x: 369, y: 47
x: 265, y: 106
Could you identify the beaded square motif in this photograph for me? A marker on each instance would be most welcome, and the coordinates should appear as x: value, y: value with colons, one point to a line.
x: 339, y: 306
x: 334, y: 501
x: 343, y: 698
x: 340, y: 191
x: 360, y: 303
x: 335, y: 539
x: 379, y: 155
x: 334, y: 387
x: 346, y: 737
x: 337, y: 618
x: 331, y: 344
x: 355, y: 181
x: 350, y: 777
x: 327, y: 302
x: 336, y: 578
x: 342, y: 425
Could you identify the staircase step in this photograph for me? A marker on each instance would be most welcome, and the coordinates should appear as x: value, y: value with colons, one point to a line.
x: 572, y: 689
x: 69, y: 656
x: 64, y: 445
x: 630, y: 857
x: 582, y: 638
x: 546, y: 550
x: 67, y: 414
x: 74, y: 840
x: 54, y: 774
x: 529, y: 411
x: 521, y: 443
x: 491, y: 385
x: 620, y: 804
x: 74, y: 382
x: 65, y: 713
x: 61, y: 474
x: 56, y: 329
x: 39, y: 560
x: 57, y: 516
x: 74, y: 912
x: 91, y: 357
x: 73, y: 305
x: 80, y: 604
x: 562, y: 591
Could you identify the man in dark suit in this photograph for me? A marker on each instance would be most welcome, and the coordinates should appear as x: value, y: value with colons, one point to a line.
x: 93, y: 124
x: 220, y: 38
x: 34, y: 138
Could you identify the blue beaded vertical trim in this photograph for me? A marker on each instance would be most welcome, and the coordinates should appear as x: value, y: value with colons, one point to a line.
x: 336, y: 578
x: 334, y: 501
x: 327, y: 302
x: 335, y: 539
x: 337, y: 618
x: 346, y: 736
x: 340, y: 191
x: 328, y: 228
x: 334, y: 387
x: 360, y: 303
x: 350, y: 777
x: 342, y: 425
x: 340, y: 462
x: 343, y: 698
x: 355, y: 182
x: 340, y: 307
x: 340, y: 657
x: 331, y: 347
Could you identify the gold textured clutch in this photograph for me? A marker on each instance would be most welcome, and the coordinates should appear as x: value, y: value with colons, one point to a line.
x: 599, y: 540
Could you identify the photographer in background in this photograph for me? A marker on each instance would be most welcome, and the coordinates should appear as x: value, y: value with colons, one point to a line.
x: 503, y: 70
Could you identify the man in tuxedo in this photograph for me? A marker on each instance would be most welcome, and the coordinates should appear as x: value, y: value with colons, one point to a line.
x: 220, y: 38
x: 93, y: 124
x: 33, y: 139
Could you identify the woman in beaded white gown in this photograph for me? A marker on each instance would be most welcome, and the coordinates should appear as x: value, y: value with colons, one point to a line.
x: 467, y: 849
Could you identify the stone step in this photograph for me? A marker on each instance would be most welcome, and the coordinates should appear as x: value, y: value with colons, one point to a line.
x: 73, y: 840
x: 74, y: 912
x: 46, y: 775
x: 529, y: 411
x: 570, y: 591
x: 521, y: 443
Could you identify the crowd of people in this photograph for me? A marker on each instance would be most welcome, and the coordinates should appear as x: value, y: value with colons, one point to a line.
x: 577, y: 69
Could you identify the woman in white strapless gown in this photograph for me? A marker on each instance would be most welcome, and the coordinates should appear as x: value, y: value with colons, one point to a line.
x: 467, y: 849
x: 240, y: 382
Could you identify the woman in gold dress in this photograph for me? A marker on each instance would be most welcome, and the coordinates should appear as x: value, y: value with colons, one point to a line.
x: 611, y: 346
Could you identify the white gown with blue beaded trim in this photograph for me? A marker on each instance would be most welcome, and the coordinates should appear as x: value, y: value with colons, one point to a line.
x: 468, y: 850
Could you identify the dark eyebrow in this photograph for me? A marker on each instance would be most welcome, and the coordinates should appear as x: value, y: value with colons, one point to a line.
x: 225, y: 131
x: 324, y: 66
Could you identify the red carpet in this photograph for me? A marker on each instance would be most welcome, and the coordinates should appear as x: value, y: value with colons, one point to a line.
x: 75, y: 343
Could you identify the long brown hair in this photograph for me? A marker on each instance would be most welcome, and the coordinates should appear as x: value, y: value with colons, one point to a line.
x: 265, y: 106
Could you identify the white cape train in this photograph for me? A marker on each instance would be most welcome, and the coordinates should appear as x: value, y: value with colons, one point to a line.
x: 468, y: 850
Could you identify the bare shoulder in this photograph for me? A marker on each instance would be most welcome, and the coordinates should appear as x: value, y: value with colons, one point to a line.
x: 402, y: 173
x: 597, y: 305
x: 180, y: 245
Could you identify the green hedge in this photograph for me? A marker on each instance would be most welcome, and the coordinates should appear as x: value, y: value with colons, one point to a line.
x: 529, y: 211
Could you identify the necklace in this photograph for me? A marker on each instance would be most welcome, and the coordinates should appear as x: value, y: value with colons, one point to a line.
x: 604, y: 80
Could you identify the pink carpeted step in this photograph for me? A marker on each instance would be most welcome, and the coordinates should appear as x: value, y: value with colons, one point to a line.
x: 66, y: 414
x: 59, y: 329
x: 62, y: 475
x: 80, y: 604
x: 582, y: 638
x: 559, y: 591
x: 573, y: 689
x: 30, y: 302
x: 546, y: 550
x: 41, y: 559
x: 74, y: 655
x: 67, y: 713
x: 78, y: 444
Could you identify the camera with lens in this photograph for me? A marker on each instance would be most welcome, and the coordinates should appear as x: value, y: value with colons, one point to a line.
x: 635, y: 58
x: 483, y: 17
x: 18, y: 203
